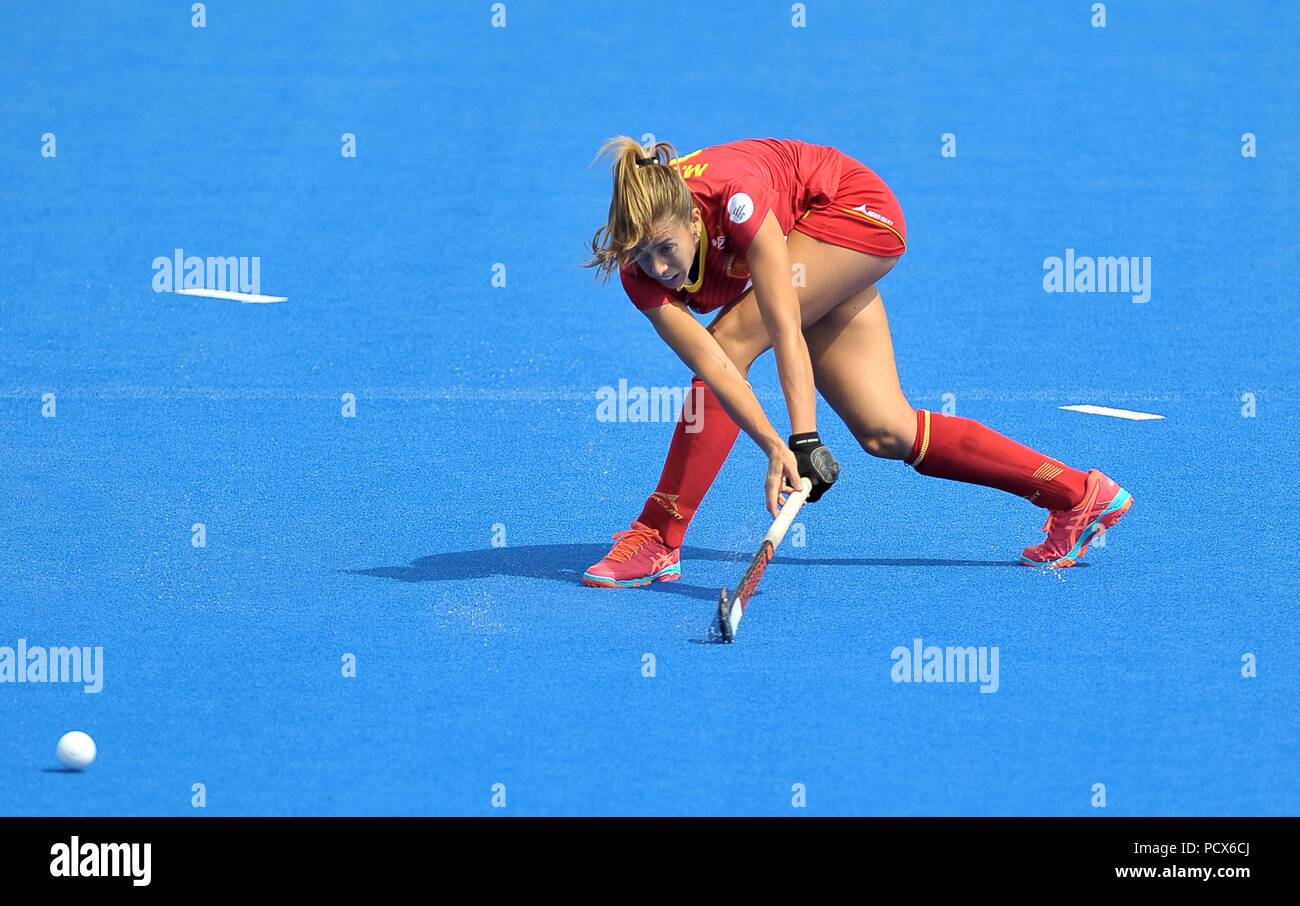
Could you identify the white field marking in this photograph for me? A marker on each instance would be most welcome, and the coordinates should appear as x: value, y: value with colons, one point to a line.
x: 227, y: 294
x: 1114, y: 413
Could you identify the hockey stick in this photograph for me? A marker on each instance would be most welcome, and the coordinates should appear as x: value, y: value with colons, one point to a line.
x: 732, y: 608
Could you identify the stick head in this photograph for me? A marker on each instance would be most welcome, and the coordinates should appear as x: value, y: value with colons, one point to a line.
x: 724, y: 616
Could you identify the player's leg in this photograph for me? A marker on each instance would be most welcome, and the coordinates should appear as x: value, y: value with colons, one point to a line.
x: 852, y: 355
x: 853, y: 364
x: 826, y: 274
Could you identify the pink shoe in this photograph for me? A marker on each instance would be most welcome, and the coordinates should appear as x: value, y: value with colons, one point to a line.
x: 638, y: 558
x: 1069, y: 531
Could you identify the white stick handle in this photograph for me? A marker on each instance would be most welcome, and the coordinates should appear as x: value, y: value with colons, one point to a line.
x: 788, y: 512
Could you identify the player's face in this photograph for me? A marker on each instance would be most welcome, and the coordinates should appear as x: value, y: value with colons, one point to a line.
x: 669, y: 252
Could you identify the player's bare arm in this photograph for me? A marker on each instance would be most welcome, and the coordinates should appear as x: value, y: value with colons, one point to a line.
x: 700, y: 352
x: 769, y: 266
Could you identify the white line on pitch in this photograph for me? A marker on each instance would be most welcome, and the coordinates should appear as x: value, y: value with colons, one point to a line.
x: 227, y: 294
x: 1114, y: 413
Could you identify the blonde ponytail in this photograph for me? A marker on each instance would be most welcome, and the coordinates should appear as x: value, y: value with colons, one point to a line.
x: 646, y: 191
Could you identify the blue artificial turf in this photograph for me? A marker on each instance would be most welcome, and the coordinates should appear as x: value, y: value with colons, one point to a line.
x: 476, y: 414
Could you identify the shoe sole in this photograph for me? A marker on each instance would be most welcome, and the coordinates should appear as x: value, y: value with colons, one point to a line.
x: 667, y: 574
x: 1108, y: 517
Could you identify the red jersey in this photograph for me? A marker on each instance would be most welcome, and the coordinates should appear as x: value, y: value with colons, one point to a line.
x: 735, y: 185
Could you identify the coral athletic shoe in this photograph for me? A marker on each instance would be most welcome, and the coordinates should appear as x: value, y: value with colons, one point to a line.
x: 638, y: 558
x: 1070, y: 531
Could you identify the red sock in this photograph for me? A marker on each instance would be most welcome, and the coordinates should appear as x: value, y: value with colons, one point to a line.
x: 698, y: 450
x: 963, y: 450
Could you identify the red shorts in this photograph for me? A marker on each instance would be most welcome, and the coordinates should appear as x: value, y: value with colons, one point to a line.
x: 864, y: 215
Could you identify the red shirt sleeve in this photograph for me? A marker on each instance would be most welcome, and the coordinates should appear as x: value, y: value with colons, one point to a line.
x: 644, y: 294
x: 746, y: 201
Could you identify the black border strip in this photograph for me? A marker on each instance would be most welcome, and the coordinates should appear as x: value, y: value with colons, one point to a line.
x: 334, y: 853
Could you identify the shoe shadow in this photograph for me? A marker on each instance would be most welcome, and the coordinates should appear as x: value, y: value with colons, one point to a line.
x: 566, y: 562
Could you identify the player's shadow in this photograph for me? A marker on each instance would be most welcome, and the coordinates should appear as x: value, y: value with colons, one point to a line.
x: 565, y: 563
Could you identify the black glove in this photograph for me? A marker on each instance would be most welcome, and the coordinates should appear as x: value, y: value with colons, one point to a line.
x: 815, y: 463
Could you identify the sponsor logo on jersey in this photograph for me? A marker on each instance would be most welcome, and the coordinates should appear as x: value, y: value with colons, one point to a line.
x: 874, y: 215
x: 689, y: 171
x: 736, y: 266
x: 740, y: 207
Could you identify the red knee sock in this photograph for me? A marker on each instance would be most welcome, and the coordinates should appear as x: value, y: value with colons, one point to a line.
x: 963, y: 450
x: 701, y: 443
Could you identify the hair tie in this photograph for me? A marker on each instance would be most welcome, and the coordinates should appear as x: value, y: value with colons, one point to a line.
x: 646, y: 161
